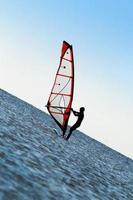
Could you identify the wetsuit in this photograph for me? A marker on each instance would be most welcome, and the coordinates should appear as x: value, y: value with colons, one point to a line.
x: 80, y: 116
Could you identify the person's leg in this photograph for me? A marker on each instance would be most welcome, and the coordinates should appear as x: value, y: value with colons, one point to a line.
x: 71, y: 130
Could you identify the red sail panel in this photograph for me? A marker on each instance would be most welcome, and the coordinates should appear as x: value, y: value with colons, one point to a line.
x: 61, y: 96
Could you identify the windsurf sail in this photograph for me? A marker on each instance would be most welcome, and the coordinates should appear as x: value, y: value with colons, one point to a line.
x: 61, y: 96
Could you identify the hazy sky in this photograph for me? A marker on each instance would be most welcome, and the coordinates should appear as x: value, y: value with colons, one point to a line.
x: 101, y: 32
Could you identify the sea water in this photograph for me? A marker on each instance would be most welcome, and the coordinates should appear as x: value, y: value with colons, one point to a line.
x: 37, y: 164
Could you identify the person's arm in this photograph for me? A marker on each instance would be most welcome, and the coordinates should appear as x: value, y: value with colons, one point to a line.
x: 75, y: 112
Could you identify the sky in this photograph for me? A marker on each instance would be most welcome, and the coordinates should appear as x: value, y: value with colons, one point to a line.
x: 101, y: 32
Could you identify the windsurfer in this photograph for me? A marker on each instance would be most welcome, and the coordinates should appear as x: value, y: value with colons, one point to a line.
x: 80, y: 116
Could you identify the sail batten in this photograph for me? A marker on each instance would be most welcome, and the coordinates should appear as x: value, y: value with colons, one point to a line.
x: 67, y: 59
x: 65, y: 75
x: 61, y: 96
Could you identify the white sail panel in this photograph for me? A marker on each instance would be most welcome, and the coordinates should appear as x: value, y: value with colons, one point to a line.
x: 65, y: 68
x: 62, y: 85
x: 67, y: 55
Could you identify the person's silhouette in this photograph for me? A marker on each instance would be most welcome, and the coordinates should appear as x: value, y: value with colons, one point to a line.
x: 80, y: 116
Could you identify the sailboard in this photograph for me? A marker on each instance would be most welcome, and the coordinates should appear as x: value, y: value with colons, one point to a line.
x: 61, y: 96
